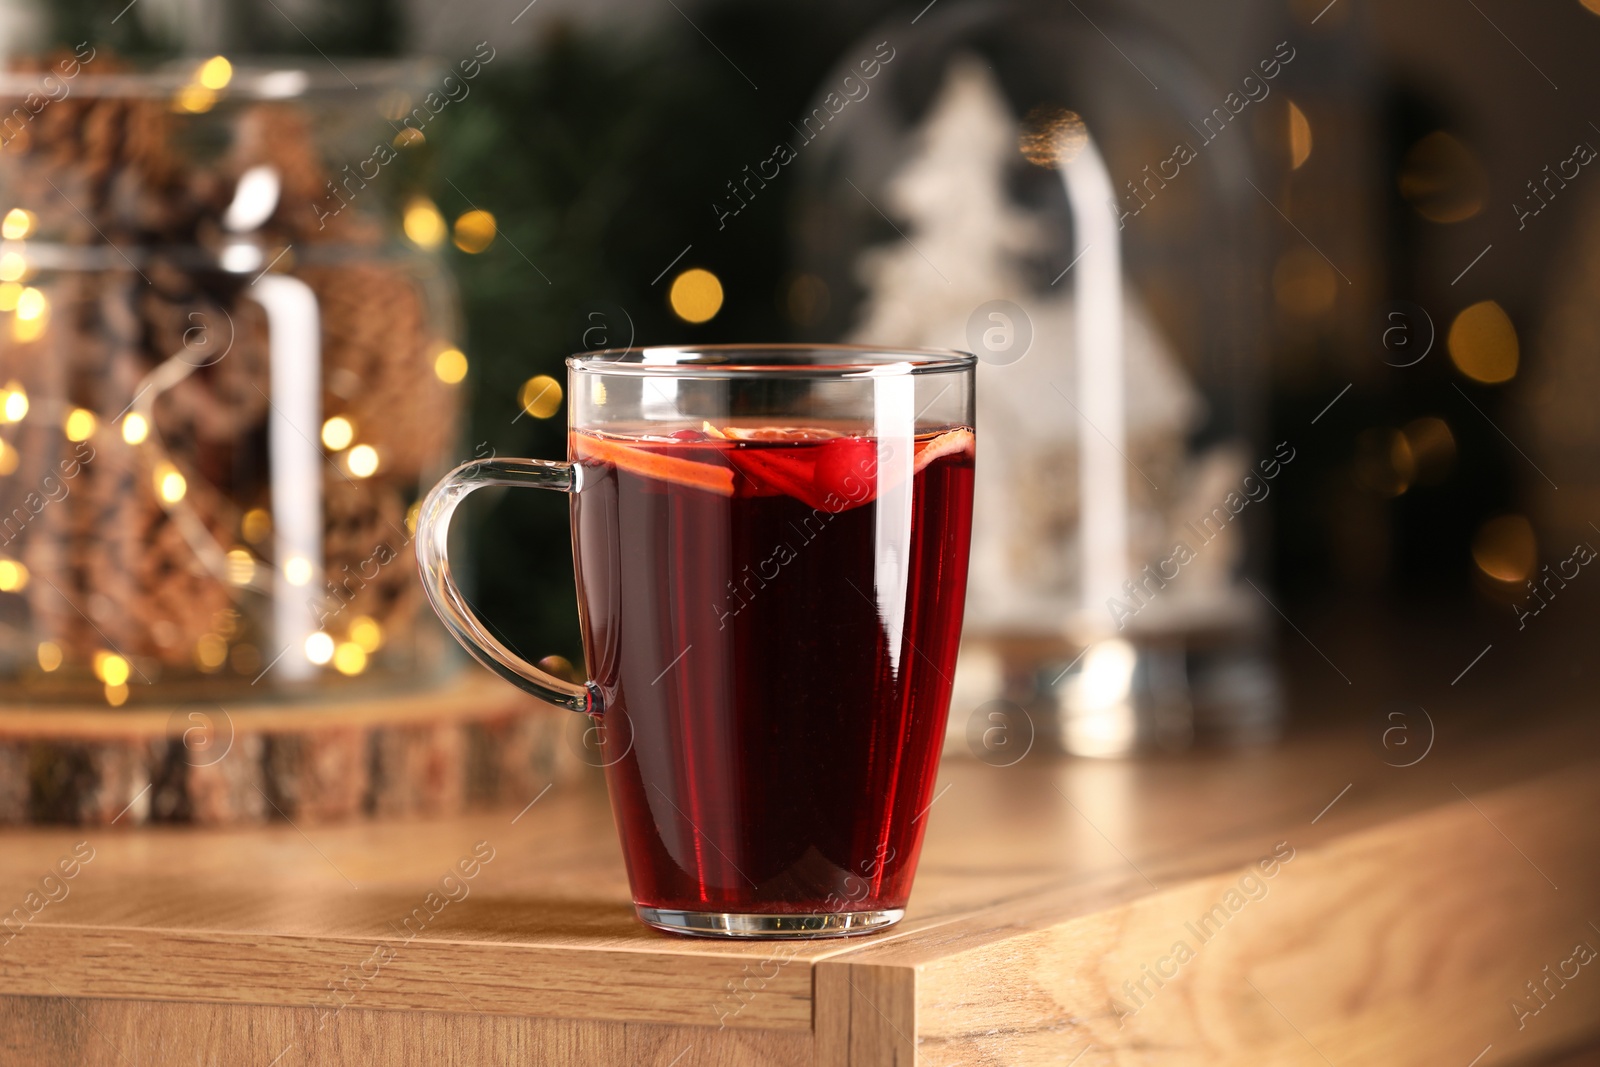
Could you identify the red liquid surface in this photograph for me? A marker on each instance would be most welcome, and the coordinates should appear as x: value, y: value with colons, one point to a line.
x: 772, y: 623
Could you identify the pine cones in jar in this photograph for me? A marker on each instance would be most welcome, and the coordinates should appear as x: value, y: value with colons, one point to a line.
x: 161, y: 546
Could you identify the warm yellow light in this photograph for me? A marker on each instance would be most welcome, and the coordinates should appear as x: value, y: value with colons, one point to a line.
x: 423, y: 224
x: 194, y: 99
x: 409, y: 138
x: 211, y: 652
x: 450, y: 366
x: 319, y: 648
x: 17, y: 224
x: 10, y: 293
x: 362, y: 461
x: 1592, y: 5
x: 1483, y: 343
x: 297, y: 570
x: 79, y: 424
x: 111, y: 668
x: 349, y: 658
x: 1505, y: 548
x: 170, y: 484
x: 366, y: 632
x: 338, y: 432
x: 8, y: 458
x: 12, y: 266
x: 540, y: 396
x: 117, y: 695
x: 31, y: 303
x: 49, y: 656
x: 256, y: 526
x: 13, y: 576
x: 241, y: 566
x: 135, y: 428
x: 696, y: 295
x: 25, y: 330
x: 412, y: 513
x: 1299, y: 137
x: 214, y: 73
x: 15, y: 406
x: 474, y: 231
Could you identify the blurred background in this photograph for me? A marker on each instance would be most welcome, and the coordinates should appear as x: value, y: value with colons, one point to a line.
x: 1400, y: 238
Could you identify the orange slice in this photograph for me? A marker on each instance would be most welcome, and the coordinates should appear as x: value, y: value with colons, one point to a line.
x: 949, y: 443
x: 777, y: 433
x: 642, y: 461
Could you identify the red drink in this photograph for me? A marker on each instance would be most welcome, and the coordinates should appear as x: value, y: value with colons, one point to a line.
x: 771, y: 619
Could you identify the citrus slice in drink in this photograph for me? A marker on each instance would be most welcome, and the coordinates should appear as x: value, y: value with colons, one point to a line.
x: 824, y: 469
x: 949, y: 443
x: 642, y: 460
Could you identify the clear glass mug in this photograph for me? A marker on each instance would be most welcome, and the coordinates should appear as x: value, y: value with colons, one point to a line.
x: 771, y: 553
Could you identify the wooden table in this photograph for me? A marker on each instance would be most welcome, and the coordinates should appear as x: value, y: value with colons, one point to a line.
x: 1407, y: 908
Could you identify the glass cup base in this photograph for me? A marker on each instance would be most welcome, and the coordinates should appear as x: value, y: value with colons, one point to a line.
x: 734, y: 924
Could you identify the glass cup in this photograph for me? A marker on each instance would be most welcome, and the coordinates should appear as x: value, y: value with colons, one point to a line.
x: 771, y: 552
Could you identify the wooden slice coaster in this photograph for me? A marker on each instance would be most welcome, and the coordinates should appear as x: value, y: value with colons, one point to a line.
x: 471, y: 741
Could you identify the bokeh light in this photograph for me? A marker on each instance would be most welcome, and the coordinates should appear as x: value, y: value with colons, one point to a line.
x: 1384, y: 463
x: 1483, y: 343
x: 450, y: 366
x: 362, y: 461
x: 540, y: 396
x: 170, y: 484
x: 423, y: 224
x: 338, y: 432
x: 13, y: 576
x: 49, y: 654
x: 1299, y: 137
x: 349, y: 658
x: 13, y: 402
x: 1505, y: 548
x: 80, y: 424
x: 111, y: 668
x: 297, y: 569
x: 241, y: 566
x: 319, y: 648
x: 194, y: 99
x: 17, y: 224
x: 365, y: 631
x: 256, y: 526
x: 696, y: 295
x: 1432, y: 447
x: 215, y: 73
x: 135, y: 428
x: 1442, y: 179
x: 211, y: 652
x: 474, y: 231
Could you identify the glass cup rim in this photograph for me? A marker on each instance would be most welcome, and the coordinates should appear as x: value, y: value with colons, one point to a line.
x: 785, y: 359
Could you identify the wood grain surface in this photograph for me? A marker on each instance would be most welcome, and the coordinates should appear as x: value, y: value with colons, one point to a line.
x: 1407, y: 909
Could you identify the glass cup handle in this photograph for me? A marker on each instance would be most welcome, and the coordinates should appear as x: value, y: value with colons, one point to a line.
x: 433, y: 558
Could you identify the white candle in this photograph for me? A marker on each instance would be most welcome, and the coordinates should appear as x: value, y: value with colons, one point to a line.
x: 1097, y: 289
x: 294, y: 350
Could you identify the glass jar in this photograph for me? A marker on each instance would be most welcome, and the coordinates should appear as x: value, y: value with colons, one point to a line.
x: 1057, y: 191
x: 226, y: 374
